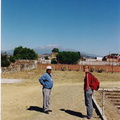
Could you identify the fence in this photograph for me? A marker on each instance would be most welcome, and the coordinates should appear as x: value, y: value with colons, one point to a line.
x: 106, y: 68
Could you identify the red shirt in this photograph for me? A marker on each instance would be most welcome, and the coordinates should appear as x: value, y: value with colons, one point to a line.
x: 87, y: 81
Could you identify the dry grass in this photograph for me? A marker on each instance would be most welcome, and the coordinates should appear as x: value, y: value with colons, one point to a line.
x: 62, y: 76
x: 67, y: 93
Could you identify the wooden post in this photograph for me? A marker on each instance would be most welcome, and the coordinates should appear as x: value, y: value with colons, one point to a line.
x: 112, y: 65
x: 106, y: 68
x: 41, y: 68
x: 103, y: 101
x: 67, y: 67
x: 54, y: 67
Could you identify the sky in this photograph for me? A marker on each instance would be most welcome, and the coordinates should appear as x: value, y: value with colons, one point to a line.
x: 91, y: 26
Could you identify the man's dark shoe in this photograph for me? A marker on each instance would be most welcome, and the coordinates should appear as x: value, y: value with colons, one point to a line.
x: 49, y: 110
x: 46, y: 112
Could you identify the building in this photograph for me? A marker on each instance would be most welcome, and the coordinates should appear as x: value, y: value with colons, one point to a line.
x: 99, y: 58
x: 53, y: 55
x: 42, y: 60
x: 113, y: 58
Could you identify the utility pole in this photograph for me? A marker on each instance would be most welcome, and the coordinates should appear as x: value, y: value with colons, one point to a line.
x: 112, y: 64
x: 109, y: 57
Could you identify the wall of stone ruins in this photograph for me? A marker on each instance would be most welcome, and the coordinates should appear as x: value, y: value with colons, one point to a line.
x: 20, y: 65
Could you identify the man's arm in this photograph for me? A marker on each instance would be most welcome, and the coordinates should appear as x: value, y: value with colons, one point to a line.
x: 41, y: 80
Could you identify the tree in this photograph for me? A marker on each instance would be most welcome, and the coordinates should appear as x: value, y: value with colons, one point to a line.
x: 4, y: 60
x: 68, y: 57
x: 12, y: 59
x: 53, y: 61
x: 46, y: 58
x: 25, y: 53
x: 104, y: 59
x: 114, y: 54
x: 55, y: 50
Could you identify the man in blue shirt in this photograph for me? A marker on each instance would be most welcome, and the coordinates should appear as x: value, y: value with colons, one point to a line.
x: 47, y: 83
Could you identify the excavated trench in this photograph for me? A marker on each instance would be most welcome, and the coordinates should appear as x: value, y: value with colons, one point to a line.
x: 108, y: 101
x: 114, y: 98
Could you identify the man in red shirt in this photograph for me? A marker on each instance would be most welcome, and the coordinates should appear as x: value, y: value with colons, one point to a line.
x: 88, y: 92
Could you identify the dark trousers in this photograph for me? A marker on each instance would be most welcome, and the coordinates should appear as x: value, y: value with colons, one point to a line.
x: 88, y: 102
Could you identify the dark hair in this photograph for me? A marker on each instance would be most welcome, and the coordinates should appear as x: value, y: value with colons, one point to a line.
x: 48, y: 70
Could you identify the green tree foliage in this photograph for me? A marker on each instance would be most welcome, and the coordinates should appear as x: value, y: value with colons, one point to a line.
x: 68, y: 57
x: 4, y: 60
x: 24, y: 53
x: 114, y: 54
x: 12, y: 59
x: 104, y: 59
x: 46, y: 58
x: 53, y: 61
x: 55, y: 50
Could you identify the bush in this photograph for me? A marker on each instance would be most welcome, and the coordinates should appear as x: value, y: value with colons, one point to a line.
x: 68, y: 57
x: 12, y: 59
x: 53, y: 61
x: 5, y: 62
x: 91, y: 69
x: 104, y: 59
x: 100, y: 70
x: 46, y: 58
x: 63, y: 68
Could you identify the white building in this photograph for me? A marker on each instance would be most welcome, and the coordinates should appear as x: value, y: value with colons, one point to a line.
x: 99, y: 58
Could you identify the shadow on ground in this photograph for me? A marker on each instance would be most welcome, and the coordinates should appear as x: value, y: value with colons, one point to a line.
x: 74, y: 113
x: 35, y: 108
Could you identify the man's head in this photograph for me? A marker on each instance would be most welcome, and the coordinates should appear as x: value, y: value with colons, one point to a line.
x: 86, y: 68
x: 48, y: 69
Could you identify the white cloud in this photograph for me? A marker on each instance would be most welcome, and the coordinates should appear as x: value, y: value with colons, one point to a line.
x: 50, y: 47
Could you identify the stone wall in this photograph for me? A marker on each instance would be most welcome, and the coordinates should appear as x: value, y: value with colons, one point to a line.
x: 20, y: 65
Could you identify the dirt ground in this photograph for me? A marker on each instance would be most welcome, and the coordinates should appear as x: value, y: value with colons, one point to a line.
x: 23, y: 101
x: 110, y: 110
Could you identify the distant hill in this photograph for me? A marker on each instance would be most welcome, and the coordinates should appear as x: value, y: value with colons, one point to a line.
x: 48, y: 50
x: 9, y: 52
x: 88, y: 55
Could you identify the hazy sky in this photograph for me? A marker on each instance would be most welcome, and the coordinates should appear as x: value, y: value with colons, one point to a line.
x: 91, y: 26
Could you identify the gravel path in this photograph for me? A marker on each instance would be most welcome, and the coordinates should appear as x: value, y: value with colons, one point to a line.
x: 3, y: 80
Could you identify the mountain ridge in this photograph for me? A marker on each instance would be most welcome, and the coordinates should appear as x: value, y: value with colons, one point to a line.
x: 48, y: 50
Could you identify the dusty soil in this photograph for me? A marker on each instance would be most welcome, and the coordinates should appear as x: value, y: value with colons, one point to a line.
x: 23, y: 101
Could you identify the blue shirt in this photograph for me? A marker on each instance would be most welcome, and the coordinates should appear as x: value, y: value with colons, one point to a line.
x: 46, y: 80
